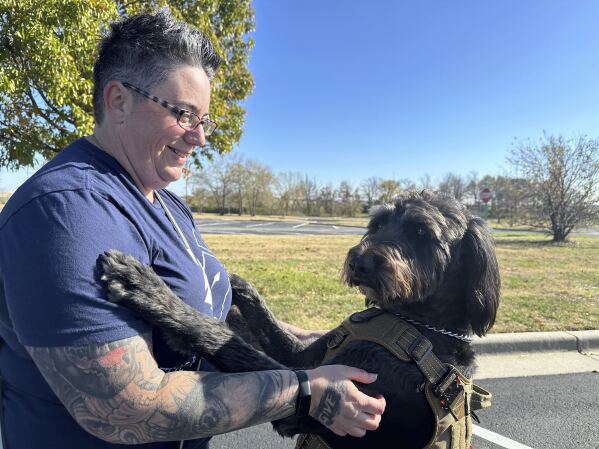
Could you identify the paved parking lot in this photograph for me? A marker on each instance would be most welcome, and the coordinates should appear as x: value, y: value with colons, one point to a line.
x: 305, y: 227
x: 274, y: 227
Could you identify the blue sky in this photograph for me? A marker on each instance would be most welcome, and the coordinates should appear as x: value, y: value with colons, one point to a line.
x: 350, y: 89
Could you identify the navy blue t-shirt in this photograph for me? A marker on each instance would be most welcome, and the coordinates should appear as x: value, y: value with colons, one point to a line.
x: 52, y: 231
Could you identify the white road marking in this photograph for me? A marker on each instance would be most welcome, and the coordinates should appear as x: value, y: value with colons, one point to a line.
x: 301, y: 224
x: 260, y: 224
x: 216, y: 223
x: 497, y: 439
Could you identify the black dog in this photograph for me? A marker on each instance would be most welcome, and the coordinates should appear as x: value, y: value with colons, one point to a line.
x: 424, y: 257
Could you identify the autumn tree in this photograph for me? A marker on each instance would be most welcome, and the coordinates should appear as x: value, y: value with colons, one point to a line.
x: 47, y: 53
x: 390, y: 188
x: 563, y: 174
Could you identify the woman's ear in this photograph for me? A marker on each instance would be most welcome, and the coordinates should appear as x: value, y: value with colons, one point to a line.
x: 116, y: 101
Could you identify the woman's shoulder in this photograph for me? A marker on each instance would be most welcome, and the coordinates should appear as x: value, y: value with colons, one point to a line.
x: 79, y: 167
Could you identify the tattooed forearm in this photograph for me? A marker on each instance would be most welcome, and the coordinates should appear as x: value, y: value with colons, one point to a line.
x: 116, y: 392
x: 225, y: 402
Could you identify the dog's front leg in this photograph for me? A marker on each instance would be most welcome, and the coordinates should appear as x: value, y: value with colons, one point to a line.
x: 276, y: 341
x: 188, y: 331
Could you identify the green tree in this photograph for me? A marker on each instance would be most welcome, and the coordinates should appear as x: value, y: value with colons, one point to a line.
x: 389, y: 189
x: 47, y: 51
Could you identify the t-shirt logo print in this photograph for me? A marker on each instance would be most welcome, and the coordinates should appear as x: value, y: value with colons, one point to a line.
x: 216, y: 277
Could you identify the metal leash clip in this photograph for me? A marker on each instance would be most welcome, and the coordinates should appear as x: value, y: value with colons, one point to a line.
x: 448, y: 389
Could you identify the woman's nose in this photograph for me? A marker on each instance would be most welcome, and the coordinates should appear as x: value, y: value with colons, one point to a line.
x: 195, y: 137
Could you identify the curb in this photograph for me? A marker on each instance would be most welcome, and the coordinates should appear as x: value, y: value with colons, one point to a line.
x: 579, y: 341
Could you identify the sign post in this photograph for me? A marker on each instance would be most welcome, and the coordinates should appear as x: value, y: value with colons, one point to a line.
x: 486, y: 195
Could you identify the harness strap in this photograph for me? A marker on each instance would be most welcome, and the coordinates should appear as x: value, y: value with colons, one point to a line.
x: 399, y: 337
x: 406, y: 343
x: 311, y: 441
x: 451, y: 395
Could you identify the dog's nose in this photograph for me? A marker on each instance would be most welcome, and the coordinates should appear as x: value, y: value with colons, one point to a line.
x: 362, y: 266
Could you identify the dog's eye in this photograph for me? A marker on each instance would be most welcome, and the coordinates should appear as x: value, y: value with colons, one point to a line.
x: 373, y: 228
x: 420, y: 232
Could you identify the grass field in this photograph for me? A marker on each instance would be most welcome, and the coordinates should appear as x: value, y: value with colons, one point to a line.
x: 544, y: 286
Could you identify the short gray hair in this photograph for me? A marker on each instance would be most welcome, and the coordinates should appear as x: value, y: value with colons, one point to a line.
x: 145, y: 49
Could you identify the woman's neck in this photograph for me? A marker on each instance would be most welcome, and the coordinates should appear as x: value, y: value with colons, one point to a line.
x: 105, y: 143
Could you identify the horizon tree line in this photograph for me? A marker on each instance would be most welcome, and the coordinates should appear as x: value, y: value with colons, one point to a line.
x: 553, y: 186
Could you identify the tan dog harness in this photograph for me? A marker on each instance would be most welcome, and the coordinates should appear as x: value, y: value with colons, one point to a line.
x: 451, y: 395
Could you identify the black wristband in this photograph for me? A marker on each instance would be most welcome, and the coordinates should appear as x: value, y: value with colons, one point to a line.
x: 304, y: 394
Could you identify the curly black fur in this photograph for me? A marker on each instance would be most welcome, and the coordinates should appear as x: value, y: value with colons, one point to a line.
x: 424, y: 255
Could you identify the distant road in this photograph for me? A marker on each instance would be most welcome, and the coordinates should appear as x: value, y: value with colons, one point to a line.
x: 275, y: 227
x: 303, y: 227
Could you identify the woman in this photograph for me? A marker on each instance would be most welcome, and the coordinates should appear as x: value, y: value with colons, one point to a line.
x: 81, y: 372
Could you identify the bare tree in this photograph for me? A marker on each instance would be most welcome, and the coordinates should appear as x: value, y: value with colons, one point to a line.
x: 309, y: 191
x: 217, y: 176
x: 564, y: 176
x: 326, y: 199
x: 425, y: 182
x: 408, y: 184
x: 473, y: 188
x: 258, y: 183
x: 371, y: 189
x: 349, y: 199
x: 239, y: 182
x: 286, y: 190
x: 453, y: 185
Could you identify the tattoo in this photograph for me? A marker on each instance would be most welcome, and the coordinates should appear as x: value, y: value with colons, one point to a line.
x: 117, y: 392
x: 330, y: 404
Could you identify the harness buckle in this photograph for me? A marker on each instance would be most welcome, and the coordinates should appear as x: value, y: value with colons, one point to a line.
x: 416, y: 352
x: 448, y: 388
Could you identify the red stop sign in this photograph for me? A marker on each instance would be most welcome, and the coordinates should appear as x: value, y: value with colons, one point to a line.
x: 486, y: 195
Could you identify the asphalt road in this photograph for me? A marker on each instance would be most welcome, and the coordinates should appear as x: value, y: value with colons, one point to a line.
x: 543, y: 412
x: 297, y: 227
x: 287, y: 227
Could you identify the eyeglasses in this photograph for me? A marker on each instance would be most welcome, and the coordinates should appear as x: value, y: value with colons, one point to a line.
x: 185, y: 119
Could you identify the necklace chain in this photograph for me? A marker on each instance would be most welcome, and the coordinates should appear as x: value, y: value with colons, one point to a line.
x: 466, y: 338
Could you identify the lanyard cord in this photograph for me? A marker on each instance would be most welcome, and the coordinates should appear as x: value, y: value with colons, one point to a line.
x: 171, y: 218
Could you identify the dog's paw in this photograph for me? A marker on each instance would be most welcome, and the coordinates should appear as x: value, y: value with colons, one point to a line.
x: 123, y: 275
x: 114, y: 264
x: 238, y: 283
x: 244, y: 293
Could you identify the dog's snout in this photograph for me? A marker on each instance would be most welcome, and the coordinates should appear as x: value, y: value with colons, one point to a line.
x: 362, y: 266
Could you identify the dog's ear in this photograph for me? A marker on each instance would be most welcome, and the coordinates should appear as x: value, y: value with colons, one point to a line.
x: 482, y: 276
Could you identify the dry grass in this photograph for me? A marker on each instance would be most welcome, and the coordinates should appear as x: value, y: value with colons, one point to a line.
x: 545, y: 286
